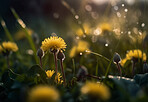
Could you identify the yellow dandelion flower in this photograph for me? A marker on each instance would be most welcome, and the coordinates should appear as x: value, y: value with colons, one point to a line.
x: 73, y: 52
x: 43, y: 94
x: 97, y: 90
x: 58, y: 78
x: 87, y: 31
x: 136, y: 54
x: 123, y: 61
x: 82, y: 46
x: 105, y: 27
x: 8, y: 46
x: 50, y: 73
x: 53, y: 42
x: 21, y: 34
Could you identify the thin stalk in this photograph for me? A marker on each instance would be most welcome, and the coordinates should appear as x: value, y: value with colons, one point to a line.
x: 7, y: 60
x: 133, y: 68
x: 74, y: 67
x: 63, y: 74
x: 56, y: 64
x: 95, y: 77
x: 119, y: 69
x: 98, y: 55
x: 6, y: 31
x: 97, y: 66
x: 22, y: 24
x: 40, y: 60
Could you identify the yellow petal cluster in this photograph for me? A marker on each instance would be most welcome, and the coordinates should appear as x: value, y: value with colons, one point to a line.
x: 21, y: 34
x: 43, y: 94
x: 105, y: 27
x: 8, y: 46
x: 81, y: 47
x: 97, y: 90
x: 53, y: 42
x: 58, y: 78
x: 50, y: 73
x: 87, y: 31
x: 134, y: 54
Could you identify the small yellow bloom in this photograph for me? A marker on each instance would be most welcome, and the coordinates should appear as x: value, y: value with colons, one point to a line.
x: 21, y: 34
x: 8, y: 46
x: 43, y: 94
x: 53, y: 42
x: 136, y: 54
x: 97, y: 90
x: 50, y: 73
x: 81, y: 47
x: 123, y: 61
x: 105, y: 27
x: 58, y: 78
x: 87, y: 31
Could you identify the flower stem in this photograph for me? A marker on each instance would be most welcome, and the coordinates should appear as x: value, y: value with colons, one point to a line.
x: 62, y: 69
x: 7, y: 60
x: 133, y: 68
x: 56, y: 64
x: 41, y: 62
x: 119, y: 69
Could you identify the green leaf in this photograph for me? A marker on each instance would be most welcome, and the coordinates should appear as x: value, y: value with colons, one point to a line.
x: 141, y: 79
x: 36, y: 71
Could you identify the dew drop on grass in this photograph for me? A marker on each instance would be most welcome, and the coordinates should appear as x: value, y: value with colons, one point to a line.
x: 29, y: 52
x: 106, y: 44
x: 126, y: 10
x: 76, y: 17
x: 77, y: 37
x: 129, y: 32
x: 81, y: 53
x: 142, y: 25
x: 122, y: 5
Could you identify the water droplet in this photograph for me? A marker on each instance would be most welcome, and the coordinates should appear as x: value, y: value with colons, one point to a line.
x: 81, y: 53
x: 106, y: 44
x: 129, y: 32
x: 118, y: 14
x: 29, y: 51
x: 21, y: 23
x: 121, y: 32
x: 88, y: 8
x: 122, y: 5
x: 77, y: 37
x: 126, y: 10
x: 140, y: 33
x: 142, y: 25
x: 97, y: 31
x: 116, y: 8
x: 76, y: 17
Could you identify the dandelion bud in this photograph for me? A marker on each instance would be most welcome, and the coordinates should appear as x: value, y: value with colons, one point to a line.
x: 60, y: 55
x: 117, y: 58
x: 145, y: 68
x: 40, y: 53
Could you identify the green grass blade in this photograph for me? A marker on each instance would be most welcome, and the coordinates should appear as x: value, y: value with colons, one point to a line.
x: 22, y: 24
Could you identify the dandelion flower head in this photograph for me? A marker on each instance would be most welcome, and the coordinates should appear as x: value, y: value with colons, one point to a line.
x: 8, y: 46
x: 50, y: 73
x: 136, y: 54
x: 97, y: 90
x: 82, y: 46
x: 58, y: 78
x: 54, y: 43
x: 43, y: 94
